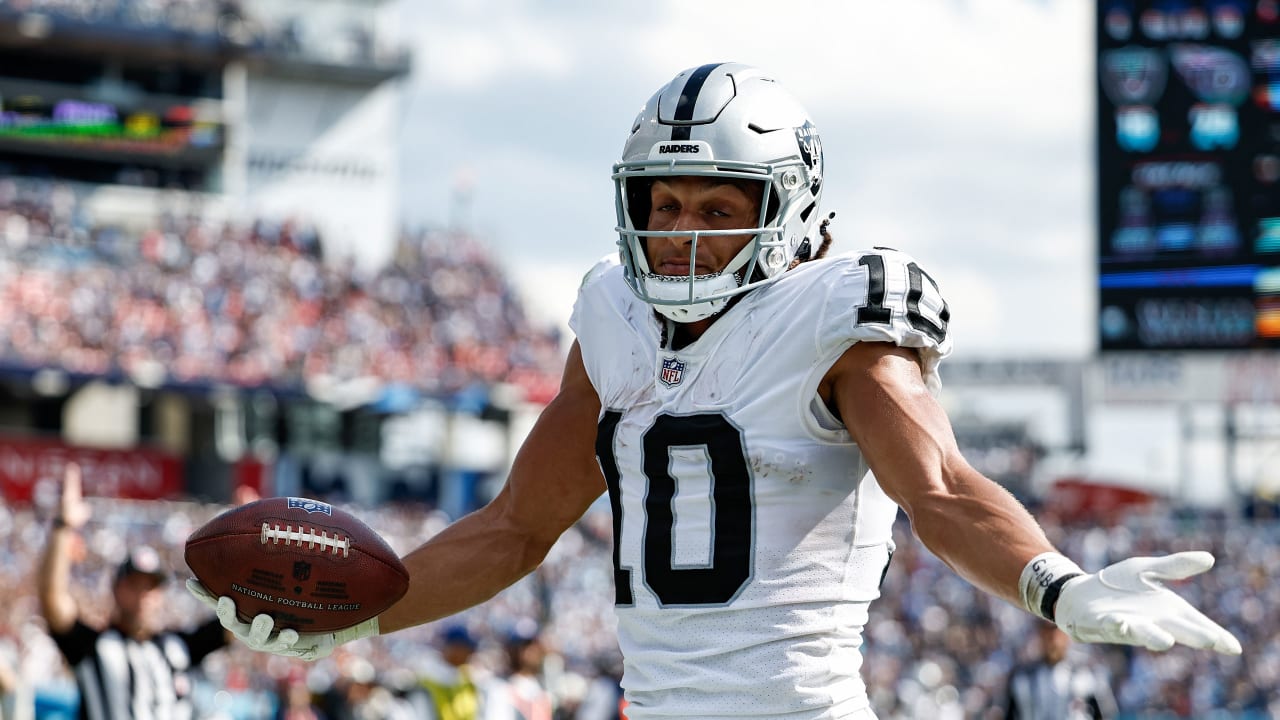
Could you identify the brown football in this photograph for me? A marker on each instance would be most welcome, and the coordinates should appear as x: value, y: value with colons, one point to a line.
x: 312, y: 566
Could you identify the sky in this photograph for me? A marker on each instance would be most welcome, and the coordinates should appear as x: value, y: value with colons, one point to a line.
x: 959, y: 131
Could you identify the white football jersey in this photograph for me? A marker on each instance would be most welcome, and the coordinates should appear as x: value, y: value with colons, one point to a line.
x: 749, y: 536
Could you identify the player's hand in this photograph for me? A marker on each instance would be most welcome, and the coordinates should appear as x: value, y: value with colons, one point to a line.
x: 261, y: 635
x: 1127, y: 603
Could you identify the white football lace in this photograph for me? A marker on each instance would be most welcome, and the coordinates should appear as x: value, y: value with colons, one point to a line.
x: 304, y: 535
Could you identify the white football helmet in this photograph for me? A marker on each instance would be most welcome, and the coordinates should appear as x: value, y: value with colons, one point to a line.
x: 723, y: 120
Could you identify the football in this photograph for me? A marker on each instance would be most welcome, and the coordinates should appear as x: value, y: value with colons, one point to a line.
x: 311, y: 566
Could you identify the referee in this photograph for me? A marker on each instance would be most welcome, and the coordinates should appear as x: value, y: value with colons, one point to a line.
x: 1058, y: 686
x: 129, y: 670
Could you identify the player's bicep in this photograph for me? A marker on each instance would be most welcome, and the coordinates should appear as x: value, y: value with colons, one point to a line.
x: 889, y: 411
x: 555, y: 476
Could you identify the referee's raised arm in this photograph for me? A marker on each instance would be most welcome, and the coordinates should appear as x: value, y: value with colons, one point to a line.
x: 56, y: 602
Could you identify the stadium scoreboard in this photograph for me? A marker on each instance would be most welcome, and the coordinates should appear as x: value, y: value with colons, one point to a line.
x: 58, y: 121
x: 1188, y: 103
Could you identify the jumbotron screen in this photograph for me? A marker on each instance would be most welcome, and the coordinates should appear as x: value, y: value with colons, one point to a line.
x: 61, y: 122
x: 1188, y: 174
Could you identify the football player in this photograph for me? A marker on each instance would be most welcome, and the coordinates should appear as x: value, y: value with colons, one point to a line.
x: 757, y: 414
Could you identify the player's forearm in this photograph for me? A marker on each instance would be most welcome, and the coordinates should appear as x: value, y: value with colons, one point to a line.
x: 553, y: 481
x: 968, y: 521
x: 469, y: 562
x: 979, y: 530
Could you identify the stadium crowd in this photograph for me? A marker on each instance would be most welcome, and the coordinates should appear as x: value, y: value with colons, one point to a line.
x: 230, y: 23
x: 197, y: 301
x: 938, y: 648
x: 935, y: 647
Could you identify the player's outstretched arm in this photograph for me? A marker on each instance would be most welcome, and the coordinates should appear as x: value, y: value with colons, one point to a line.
x: 553, y: 481
x: 984, y: 534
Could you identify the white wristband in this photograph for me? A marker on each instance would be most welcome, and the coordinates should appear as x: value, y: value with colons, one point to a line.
x: 1042, y: 579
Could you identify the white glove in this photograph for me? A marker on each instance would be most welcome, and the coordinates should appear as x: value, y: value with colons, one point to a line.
x: 1126, y: 603
x: 259, y: 635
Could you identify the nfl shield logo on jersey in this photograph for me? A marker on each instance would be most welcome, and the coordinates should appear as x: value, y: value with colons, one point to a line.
x: 672, y: 372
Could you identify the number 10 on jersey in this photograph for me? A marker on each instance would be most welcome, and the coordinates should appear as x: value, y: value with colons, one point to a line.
x: 731, y: 507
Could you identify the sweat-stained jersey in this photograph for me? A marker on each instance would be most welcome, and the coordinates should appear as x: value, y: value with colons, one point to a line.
x: 749, y: 536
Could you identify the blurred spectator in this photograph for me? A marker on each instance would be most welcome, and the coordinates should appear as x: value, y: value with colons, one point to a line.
x: 216, y: 19
x: 225, y: 23
x: 296, y: 700
x: 131, y: 667
x: 358, y: 694
x: 522, y: 694
x: 1056, y: 686
x: 10, y: 689
x: 603, y: 697
x: 449, y: 688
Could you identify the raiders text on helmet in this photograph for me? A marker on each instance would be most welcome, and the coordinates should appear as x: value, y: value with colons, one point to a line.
x: 730, y: 121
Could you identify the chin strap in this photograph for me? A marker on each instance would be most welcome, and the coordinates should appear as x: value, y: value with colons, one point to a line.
x: 666, y: 287
x: 675, y: 293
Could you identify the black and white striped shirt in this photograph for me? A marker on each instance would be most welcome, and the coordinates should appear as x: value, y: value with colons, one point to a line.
x: 120, y: 678
x: 1068, y: 690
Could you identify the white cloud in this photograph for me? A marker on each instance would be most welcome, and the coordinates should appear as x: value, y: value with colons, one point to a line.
x: 470, y: 46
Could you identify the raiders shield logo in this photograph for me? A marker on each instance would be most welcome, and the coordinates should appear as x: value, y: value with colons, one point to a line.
x: 810, y: 148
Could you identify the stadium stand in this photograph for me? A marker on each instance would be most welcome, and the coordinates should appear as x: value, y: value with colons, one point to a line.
x: 191, y: 302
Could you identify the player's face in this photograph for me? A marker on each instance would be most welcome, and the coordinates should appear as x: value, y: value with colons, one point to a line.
x: 698, y: 203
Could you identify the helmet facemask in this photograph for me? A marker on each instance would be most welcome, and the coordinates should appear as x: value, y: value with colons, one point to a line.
x: 687, y: 298
x: 752, y: 130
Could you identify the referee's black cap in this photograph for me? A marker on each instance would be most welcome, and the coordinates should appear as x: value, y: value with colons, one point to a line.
x: 142, y: 560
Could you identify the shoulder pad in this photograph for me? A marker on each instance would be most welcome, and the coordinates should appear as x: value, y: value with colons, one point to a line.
x: 900, y: 293
x: 883, y: 295
x: 602, y: 266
